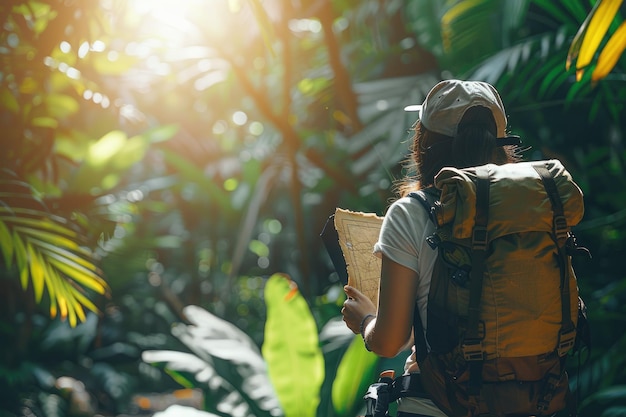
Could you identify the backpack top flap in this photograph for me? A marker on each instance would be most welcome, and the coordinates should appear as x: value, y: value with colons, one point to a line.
x: 518, y: 200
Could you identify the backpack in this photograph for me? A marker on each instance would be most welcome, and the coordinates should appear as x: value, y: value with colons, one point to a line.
x: 503, y: 306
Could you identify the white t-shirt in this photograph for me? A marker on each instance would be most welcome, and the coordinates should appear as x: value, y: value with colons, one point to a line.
x: 403, y: 240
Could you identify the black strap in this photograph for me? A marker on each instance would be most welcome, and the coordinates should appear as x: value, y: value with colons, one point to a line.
x: 560, y: 235
x: 472, y: 344
x: 560, y: 231
x: 421, y: 348
x: 421, y: 198
x: 427, y: 197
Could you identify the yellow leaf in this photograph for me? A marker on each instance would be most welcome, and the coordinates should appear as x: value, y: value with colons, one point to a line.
x: 579, y: 75
x: 62, y: 306
x: 603, y: 14
x: 37, y: 273
x: 72, y: 314
x: 84, y: 301
x: 52, y: 282
x: 80, y: 275
x: 78, y: 305
x: 53, y: 309
x: 50, y: 237
x: 610, y: 54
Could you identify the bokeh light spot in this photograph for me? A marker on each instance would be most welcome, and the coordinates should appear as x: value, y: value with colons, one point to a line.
x: 256, y: 128
x: 240, y: 118
x: 274, y: 226
x: 231, y: 184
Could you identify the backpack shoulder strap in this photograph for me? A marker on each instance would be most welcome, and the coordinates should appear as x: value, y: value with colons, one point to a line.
x: 427, y: 198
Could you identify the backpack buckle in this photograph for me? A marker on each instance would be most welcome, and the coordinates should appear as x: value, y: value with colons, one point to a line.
x: 479, y: 238
x: 560, y: 228
x: 433, y: 241
x: 566, y: 341
x: 472, y: 350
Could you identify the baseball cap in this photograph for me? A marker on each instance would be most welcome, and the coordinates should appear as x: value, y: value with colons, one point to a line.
x: 447, y: 102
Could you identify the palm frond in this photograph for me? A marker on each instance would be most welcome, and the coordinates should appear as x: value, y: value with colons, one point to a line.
x: 45, y: 251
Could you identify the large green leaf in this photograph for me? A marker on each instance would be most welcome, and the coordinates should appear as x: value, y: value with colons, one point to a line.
x: 356, y: 372
x: 291, y: 348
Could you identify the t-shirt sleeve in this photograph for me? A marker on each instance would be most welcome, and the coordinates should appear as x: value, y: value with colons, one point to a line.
x: 402, y: 232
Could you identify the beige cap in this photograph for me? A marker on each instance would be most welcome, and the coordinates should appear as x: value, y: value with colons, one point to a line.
x: 447, y: 102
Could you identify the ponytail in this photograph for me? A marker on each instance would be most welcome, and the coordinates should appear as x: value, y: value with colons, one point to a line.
x: 474, y: 144
x: 475, y: 141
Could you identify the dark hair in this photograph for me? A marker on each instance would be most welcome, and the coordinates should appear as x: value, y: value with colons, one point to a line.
x: 474, y: 144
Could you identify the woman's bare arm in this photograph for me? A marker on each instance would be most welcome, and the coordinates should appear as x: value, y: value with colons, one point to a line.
x: 390, y: 331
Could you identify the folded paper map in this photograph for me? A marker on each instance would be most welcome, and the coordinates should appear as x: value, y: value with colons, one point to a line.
x: 357, y: 233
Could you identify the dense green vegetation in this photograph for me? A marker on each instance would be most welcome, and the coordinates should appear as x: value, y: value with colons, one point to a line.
x: 166, y: 169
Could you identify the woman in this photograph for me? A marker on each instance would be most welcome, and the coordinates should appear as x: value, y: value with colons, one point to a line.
x: 462, y: 124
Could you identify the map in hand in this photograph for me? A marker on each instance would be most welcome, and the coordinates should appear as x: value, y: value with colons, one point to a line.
x: 358, y: 232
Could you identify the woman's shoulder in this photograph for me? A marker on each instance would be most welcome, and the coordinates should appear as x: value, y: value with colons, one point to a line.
x: 407, y: 208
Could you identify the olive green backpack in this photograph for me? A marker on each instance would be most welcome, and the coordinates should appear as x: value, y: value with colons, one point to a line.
x: 503, y: 305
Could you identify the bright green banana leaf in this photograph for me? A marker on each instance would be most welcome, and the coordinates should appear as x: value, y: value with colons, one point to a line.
x: 356, y: 372
x: 291, y: 348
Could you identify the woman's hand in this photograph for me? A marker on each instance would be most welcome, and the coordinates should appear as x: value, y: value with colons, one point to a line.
x: 355, y: 308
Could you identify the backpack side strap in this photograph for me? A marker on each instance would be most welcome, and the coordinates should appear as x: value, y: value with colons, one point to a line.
x: 560, y: 235
x: 472, y: 346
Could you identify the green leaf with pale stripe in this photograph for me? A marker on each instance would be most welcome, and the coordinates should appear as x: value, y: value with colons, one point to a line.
x: 84, y: 301
x: 291, y: 348
x: 52, y: 238
x: 37, y: 271
x: 77, y: 307
x: 80, y: 275
x: 39, y: 223
x: 53, y: 284
x: 63, y: 254
x: 62, y: 300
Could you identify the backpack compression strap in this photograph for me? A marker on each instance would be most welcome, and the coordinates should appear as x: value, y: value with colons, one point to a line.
x: 472, y: 346
x: 560, y: 235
